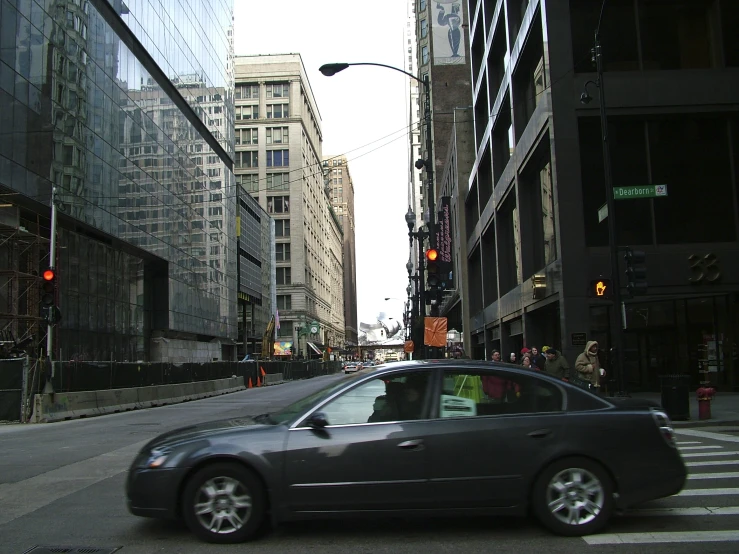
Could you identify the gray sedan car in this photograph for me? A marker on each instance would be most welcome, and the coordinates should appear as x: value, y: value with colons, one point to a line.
x: 415, y: 438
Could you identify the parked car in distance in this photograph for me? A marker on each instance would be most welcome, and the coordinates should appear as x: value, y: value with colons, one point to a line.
x: 388, y: 442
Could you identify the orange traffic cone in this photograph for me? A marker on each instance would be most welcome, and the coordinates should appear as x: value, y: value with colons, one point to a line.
x: 262, y: 370
x: 250, y: 385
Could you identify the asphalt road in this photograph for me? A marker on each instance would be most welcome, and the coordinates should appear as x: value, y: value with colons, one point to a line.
x: 61, y: 484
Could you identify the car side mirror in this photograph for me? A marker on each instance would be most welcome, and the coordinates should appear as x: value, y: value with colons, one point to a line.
x: 318, y: 420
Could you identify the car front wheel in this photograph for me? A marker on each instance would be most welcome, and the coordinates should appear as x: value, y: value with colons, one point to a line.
x: 224, y: 503
x: 573, y: 497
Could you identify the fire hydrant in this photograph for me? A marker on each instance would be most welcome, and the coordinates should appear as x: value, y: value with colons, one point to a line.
x: 705, y: 397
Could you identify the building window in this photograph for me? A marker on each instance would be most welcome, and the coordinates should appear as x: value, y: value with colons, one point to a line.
x: 246, y: 92
x: 278, y: 204
x: 246, y: 136
x: 278, y: 181
x: 277, y: 135
x: 282, y: 252
x: 284, y: 302
x: 246, y: 160
x: 246, y: 112
x: 278, y: 90
x: 424, y: 55
x: 278, y: 158
x: 250, y: 181
x: 282, y: 227
x: 424, y: 28
x: 422, y: 5
x: 283, y: 276
x: 277, y: 111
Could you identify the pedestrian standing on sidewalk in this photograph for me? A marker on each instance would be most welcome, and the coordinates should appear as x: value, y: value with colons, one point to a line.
x: 557, y: 365
x: 588, y: 366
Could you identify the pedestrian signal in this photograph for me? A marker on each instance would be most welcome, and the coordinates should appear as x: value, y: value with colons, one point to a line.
x: 601, y: 288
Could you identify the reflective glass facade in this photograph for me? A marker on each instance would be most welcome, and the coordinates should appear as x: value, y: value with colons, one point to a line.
x: 147, y: 241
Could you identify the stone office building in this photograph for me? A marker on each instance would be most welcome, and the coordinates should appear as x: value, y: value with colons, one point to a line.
x: 533, y: 233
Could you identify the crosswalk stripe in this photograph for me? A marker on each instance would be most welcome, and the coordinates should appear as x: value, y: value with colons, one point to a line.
x: 725, y: 475
x: 706, y: 454
x: 661, y: 512
x: 700, y: 447
x: 679, y: 443
x: 712, y: 463
x: 707, y: 492
x: 671, y: 537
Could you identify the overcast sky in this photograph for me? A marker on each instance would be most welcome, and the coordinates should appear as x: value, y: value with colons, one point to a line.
x: 363, y: 115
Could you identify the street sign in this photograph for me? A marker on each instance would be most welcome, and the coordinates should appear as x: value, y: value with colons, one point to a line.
x: 602, y: 212
x: 578, y: 339
x: 639, y: 191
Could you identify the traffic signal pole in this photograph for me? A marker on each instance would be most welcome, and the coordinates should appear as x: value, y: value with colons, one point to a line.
x: 52, y: 265
x: 617, y: 313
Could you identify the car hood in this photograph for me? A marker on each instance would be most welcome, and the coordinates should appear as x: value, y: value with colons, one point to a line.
x: 206, y: 430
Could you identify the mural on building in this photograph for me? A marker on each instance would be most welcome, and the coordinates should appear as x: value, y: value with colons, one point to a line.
x: 448, y: 38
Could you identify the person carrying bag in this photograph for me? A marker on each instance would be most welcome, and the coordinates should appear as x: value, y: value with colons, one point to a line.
x: 588, y: 366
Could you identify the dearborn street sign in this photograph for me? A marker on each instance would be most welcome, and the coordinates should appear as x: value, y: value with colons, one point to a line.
x: 639, y: 191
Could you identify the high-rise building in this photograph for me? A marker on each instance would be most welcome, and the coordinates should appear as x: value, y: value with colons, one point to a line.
x: 278, y: 161
x: 536, y: 223
x: 126, y: 111
x: 339, y: 181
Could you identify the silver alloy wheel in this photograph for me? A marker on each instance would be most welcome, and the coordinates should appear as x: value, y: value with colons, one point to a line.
x: 222, y: 505
x: 575, y: 496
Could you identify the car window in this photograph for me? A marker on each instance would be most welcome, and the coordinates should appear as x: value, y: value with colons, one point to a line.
x: 292, y: 411
x: 483, y: 393
x: 387, y: 398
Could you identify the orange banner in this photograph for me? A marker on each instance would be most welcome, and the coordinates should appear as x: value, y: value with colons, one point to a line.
x: 434, y: 331
x: 408, y: 346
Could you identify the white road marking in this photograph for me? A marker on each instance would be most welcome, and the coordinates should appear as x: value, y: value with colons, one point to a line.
x: 725, y: 475
x: 667, y: 537
x: 712, y: 463
x: 706, y: 454
x: 23, y: 497
x: 680, y: 443
x: 707, y: 492
x: 707, y: 435
x: 662, y: 512
x: 699, y: 447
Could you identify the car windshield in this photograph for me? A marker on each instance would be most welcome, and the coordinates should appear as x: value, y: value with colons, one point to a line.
x: 288, y: 413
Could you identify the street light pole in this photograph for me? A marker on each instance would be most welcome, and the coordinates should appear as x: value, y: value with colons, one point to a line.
x: 617, y: 313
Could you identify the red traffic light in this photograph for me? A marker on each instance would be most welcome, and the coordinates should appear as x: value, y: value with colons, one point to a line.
x: 48, y: 274
x: 431, y: 255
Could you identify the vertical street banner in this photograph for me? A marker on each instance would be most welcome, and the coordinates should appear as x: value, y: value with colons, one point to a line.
x: 448, y: 32
x: 444, y: 242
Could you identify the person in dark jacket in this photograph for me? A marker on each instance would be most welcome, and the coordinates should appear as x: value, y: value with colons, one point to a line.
x: 557, y: 365
x: 539, y: 360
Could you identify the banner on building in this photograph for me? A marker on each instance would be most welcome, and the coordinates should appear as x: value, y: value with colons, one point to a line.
x: 448, y: 33
x: 283, y: 348
x: 444, y: 244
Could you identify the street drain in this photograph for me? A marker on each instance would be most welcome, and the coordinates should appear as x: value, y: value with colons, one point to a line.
x: 71, y: 550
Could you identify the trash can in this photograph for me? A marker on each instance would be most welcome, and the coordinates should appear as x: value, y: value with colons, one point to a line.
x: 676, y: 396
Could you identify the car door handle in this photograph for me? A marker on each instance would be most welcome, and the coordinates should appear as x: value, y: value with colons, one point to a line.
x: 411, y: 445
x: 540, y: 433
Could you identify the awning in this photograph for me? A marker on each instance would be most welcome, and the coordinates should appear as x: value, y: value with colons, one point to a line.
x: 315, y: 348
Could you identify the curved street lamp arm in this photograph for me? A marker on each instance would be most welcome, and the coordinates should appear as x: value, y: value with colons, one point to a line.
x: 331, y: 69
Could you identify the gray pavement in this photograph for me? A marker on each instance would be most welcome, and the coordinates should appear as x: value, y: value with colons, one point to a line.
x: 724, y: 409
x: 61, y: 484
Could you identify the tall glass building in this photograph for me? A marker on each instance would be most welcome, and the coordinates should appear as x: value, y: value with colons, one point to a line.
x: 126, y: 110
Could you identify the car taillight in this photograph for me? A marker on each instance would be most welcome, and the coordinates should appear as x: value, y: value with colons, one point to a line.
x: 665, y: 427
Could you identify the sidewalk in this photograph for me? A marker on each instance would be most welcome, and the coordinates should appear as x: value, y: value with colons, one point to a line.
x: 724, y: 409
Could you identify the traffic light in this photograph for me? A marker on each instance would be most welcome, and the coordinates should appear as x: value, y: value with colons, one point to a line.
x: 432, y: 269
x: 48, y: 288
x: 636, y: 272
x: 601, y: 288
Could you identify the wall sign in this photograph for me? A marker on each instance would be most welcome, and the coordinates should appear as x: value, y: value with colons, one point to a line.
x: 578, y: 339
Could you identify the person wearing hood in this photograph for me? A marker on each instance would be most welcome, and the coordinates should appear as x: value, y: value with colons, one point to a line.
x: 557, y: 365
x: 588, y: 365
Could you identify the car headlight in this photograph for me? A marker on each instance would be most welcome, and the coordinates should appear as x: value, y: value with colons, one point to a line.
x: 156, y: 458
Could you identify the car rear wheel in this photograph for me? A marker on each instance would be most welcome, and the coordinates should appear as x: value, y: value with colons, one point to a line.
x: 224, y: 503
x: 573, y: 497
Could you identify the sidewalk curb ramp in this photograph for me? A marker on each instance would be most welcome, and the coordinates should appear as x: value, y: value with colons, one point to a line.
x: 61, y: 406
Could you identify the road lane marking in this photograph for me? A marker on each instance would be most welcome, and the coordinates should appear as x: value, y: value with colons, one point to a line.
x: 680, y: 443
x: 697, y: 511
x: 699, y: 447
x: 707, y: 435
x: 707, y: 454
x: 712, y: 463
x: 725, y: 475
x: 707, y: 492
x: 666, y: 537
x: 23, y: 497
